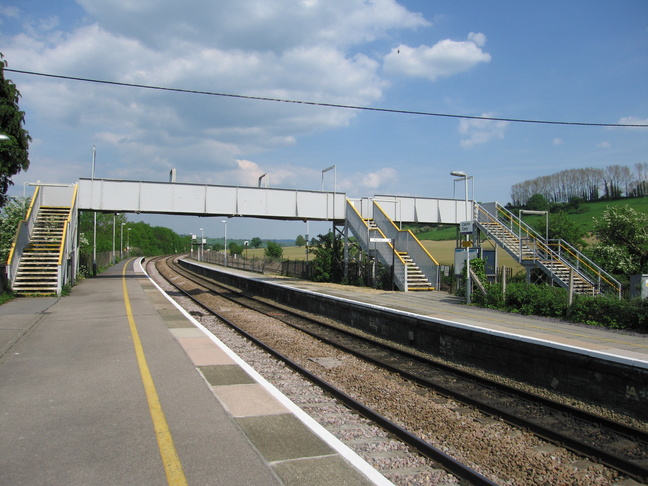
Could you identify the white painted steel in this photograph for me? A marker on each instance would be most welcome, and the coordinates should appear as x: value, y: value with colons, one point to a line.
x: 108, y: 195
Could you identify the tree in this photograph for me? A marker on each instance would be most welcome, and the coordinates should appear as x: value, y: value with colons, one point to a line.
x: 562, y: 227
x: 14, y: 153
x: 537, y: 202
x: 622, y: 246
x: 273, y: 250
x: 235, y: 248
x: 256, y: 242
x: 327, y: 259
x: 13, y: 212
x: 300, y: 241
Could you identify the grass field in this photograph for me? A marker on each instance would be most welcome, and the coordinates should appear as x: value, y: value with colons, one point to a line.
x: 442, y: 251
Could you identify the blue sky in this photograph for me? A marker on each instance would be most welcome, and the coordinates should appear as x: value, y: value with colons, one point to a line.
x: 575, y: 61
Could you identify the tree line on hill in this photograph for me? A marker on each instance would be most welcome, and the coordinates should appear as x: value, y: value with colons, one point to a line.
x: 589, y: 184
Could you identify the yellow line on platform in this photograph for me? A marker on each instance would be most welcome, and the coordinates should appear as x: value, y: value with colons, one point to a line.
x: 172, y: 465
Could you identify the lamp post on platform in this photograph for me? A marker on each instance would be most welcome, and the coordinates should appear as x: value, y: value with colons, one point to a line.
x: 225, y: 222
x: 112, y: 256
x: 121, y: 242
x: 468, y: 221
x: 202, y: 245
x: 334, y: 169
x: 94, y: 224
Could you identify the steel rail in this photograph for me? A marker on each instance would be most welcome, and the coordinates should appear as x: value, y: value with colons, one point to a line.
x: 633, y: 469
x: 428, y: 450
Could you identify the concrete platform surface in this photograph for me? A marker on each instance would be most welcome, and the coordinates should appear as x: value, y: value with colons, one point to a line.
x: 114, y: 384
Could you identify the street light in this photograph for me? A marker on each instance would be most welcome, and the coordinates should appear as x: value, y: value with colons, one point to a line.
x: 128, y: 240
x: 462, y: 176
x: 94, y: 217
x: 121, y: 242
x: 112, y: 256
x: 225, y: 221
x: 202, y: 243
x: 333, y: 168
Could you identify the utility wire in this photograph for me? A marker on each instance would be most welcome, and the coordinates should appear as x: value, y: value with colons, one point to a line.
x: 328, y: 105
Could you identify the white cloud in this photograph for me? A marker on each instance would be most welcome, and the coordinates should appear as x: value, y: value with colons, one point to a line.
x: 476, y: 131
x: 633, y: 120
x: 445, y: 58
x: 557, y: 141
x: 277, y: 25
x: 362, y: 183
x: 477, y: 38
x: 604, y: 144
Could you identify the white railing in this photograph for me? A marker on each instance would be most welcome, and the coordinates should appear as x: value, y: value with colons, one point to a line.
x: 556, y: 250
x: 380, y: 247
x: 405, y: 241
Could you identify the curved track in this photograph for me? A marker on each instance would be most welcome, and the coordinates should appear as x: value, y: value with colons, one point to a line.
x: 617, y: 446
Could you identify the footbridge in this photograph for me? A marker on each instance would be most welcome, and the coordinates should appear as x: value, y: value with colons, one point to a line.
x: 43, y: 257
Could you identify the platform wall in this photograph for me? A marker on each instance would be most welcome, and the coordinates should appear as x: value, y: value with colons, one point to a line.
x: 602, y: 382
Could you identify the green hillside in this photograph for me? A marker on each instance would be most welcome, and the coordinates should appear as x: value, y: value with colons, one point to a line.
x: 588, y: 211
x: 584, y: 217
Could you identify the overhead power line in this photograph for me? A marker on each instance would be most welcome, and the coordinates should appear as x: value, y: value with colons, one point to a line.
x: 327, y: 105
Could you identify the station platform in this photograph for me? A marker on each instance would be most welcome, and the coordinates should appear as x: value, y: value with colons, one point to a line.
x: 114, y: 384
x: 626, y: 347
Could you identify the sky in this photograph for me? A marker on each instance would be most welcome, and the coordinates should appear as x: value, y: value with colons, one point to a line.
x: 580, y: 61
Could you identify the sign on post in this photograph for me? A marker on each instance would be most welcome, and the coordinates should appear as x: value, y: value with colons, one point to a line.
x: 466, y: 227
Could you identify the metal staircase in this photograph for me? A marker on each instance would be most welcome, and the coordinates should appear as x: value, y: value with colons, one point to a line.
x: 43, y: 255
x: 38, y: 269
x: 413, y: 267
x: 564, y: 264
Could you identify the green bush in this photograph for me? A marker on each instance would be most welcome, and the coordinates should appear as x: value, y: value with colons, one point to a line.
x: 538, y: 300
x: 546, y: 301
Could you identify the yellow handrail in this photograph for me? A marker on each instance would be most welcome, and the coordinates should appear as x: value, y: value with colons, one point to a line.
x: 414, y: 238
x: 546, y: 247
x: 66, y: 224
x: 375, y: 229
x: 15, y: 240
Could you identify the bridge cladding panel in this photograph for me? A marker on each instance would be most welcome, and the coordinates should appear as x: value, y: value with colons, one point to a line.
x: 220, y: 200
x: 113, y: 196
x: 423, y: 210
x: 163, y: 197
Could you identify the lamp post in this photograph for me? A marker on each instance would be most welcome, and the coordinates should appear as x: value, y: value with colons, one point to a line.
x: 94, y: 224
x: 202, y: 247
x: 128, y: 241
x: 333, y: 168
x: 121, y: 242
x: 112, y: 257
x: 225, y: 222
x: 469, y: 220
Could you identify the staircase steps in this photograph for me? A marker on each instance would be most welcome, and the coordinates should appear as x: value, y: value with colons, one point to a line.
x: 557, y: 269
x: 416, y: 281
x: 37, y: 271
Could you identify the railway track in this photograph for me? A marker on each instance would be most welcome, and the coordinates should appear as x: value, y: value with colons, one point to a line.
x: 615, y: 445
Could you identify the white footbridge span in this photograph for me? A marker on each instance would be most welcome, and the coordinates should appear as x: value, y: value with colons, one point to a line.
x: 43, y: 257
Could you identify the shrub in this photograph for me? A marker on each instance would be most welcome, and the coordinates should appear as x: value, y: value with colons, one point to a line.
x: 540, y: 300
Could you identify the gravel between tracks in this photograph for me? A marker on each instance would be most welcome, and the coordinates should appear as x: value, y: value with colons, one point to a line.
x: 500, y: 452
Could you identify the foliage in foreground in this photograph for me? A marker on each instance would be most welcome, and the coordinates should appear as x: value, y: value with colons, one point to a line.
x: 11, y: 214
x: 547, y: 301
